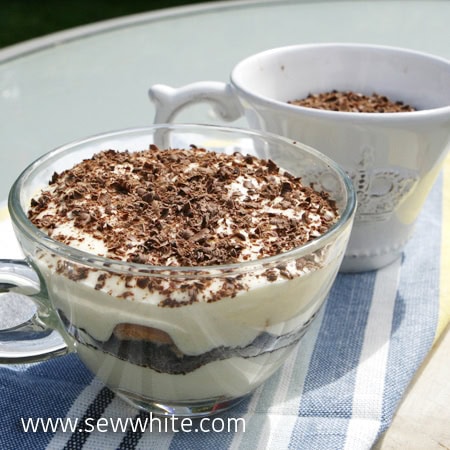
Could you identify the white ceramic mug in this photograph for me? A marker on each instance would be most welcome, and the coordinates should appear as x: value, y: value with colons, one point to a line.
x: 392, y: 158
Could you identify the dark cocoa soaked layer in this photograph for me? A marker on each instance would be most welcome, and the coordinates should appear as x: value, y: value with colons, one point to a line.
x: 154, y: 349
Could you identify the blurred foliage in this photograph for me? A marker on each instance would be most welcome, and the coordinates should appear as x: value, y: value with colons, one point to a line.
x: 25, y: 19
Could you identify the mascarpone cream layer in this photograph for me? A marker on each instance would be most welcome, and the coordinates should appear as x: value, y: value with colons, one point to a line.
x: 276, y: 307
x: 225, y: 379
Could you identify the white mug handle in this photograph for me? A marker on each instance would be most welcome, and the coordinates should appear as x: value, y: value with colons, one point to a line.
x: 170, y: 101
x: 33, y: 340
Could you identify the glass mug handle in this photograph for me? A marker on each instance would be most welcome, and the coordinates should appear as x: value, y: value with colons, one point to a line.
x: 32, y: 340
x: 170, y: 101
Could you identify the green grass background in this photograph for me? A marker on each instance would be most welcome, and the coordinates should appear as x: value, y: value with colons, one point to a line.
x: 25, y: 19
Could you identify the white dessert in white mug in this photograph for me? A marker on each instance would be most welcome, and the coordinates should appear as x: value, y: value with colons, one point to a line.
x: 174, y: 334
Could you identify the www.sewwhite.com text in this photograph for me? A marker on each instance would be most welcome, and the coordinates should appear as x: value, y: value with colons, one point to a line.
x: 148, y: 423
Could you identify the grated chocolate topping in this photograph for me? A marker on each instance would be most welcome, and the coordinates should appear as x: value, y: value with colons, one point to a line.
x: 349, y: 101
x: 182, y: 207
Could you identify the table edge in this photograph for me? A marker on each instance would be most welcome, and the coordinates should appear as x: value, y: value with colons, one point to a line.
x: 44, y: 42
x: 37, y: 44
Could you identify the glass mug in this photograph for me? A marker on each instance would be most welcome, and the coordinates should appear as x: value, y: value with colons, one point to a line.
x: 195, y: 359
x: 393, y: 159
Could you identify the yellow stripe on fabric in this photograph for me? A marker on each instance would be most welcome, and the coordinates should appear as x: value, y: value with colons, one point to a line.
x: 4, y: 214
x: 444, y: 288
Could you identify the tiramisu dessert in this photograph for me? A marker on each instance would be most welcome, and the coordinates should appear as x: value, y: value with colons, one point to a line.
x: 161, y: 331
